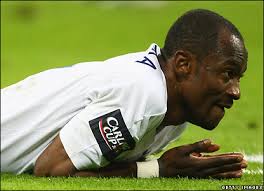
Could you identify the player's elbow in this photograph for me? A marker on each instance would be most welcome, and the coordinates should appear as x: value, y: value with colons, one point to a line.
x: 42, y: 167
x: 44, y: 171
x: 39, y: 170
x: 60, y: 169
x: 54, y: 161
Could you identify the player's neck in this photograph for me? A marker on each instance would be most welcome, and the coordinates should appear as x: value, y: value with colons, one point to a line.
x: 175, y: 114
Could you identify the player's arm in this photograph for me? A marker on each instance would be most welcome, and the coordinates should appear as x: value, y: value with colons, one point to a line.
x: 179, y: 161
x: 54, y: 161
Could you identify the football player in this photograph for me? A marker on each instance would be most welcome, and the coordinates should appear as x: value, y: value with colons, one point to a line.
x: 105, y: 118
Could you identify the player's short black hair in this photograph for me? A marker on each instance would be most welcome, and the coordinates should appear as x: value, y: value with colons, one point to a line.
x: 197, y: 31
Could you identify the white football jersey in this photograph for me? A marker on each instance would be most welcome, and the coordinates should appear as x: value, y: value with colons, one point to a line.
x: 103, y: 112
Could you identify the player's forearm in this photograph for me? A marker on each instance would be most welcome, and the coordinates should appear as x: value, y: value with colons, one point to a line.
x: 113, y: 170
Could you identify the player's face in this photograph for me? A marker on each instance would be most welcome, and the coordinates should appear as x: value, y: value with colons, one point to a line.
x: 216, y: 84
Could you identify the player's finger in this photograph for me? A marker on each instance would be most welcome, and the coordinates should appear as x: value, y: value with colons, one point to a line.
x: 224, y: 154
x: 201, y: 146
x: 212, y: 148
x: 234, y: 174
x: 244, y: 162
x: 223, y: 169
x: 210, y: 162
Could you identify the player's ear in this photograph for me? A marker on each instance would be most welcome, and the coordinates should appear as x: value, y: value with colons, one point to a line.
x: 183, y: 64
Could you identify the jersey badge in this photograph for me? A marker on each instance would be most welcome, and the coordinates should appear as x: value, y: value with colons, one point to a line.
x: 112, y: 134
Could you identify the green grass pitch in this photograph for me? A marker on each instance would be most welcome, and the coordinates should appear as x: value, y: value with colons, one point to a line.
x: 36, y: 36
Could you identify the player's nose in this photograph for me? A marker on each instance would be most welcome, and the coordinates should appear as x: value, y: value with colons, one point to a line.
x: 234, y: 90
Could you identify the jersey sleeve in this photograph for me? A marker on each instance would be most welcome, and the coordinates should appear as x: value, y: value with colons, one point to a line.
x: 105, y: 128
x: 93, y: 141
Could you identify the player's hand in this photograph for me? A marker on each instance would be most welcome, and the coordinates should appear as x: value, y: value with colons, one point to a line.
x: 188, y: 161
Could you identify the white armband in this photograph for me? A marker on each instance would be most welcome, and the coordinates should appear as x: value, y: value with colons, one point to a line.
x: 148, y: 169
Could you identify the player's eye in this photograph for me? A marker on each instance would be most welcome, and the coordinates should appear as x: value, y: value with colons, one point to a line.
x: 227, y: 75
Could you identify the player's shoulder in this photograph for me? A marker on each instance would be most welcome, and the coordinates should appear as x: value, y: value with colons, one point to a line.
x: 147, y: 88
x: 155, y: 90
x: 143, y: 60
x: 144, y: 77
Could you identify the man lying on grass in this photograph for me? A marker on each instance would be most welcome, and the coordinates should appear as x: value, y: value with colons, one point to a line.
x: 104, y: 118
